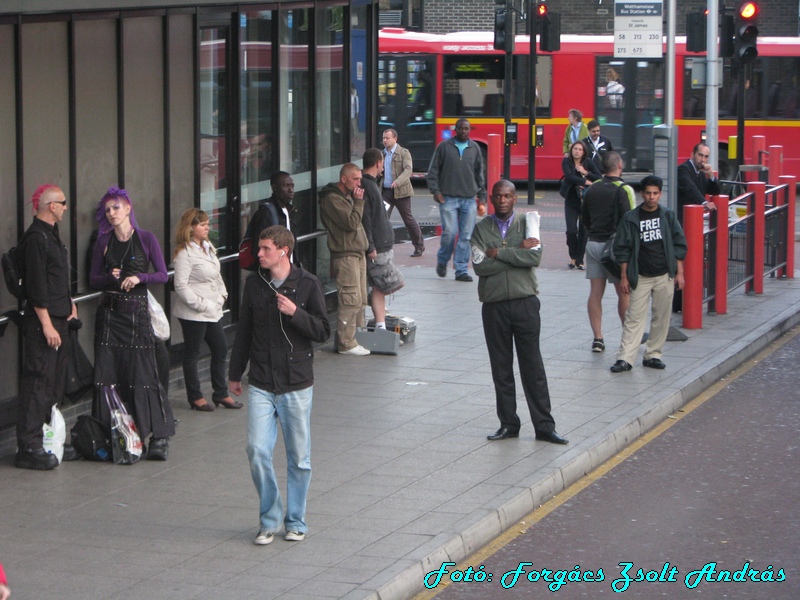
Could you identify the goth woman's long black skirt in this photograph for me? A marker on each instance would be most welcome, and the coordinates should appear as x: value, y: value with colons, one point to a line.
x: 125, y: 357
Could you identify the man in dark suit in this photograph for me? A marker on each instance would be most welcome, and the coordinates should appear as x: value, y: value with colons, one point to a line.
x: 598, y: 144
x: 695, y: 180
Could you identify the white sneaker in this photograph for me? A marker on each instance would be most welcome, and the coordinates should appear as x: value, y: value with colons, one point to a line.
x: 263, y: 538
x: 357, y: 351
x: 294, y: 536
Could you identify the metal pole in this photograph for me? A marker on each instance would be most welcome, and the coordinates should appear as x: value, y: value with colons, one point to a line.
x: 507, y: 102
x: 740, y: 115
x: 670, y: 107
x: 532, y: 101
x: 713, y: 68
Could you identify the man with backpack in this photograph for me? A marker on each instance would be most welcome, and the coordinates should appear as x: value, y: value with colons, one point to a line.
x: 604, y: 204
x: 45, y: 273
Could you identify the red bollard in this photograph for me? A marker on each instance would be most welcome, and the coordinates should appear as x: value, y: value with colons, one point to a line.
x: 693, y: 267
x: 494, y: 164
x: 775, y: 165
x: 759, y: 189
x: 791, y: 199
x: 721, y: 267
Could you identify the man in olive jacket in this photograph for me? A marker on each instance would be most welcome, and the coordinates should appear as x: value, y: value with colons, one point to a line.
x: 505, y: 260
x: 341, y: 208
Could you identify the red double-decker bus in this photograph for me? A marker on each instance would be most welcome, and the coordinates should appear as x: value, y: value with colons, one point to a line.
x: 426, y: 82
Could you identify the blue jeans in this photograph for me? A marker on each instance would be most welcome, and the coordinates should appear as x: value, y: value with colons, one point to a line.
x: 456, y: 212
x: 293, y: 410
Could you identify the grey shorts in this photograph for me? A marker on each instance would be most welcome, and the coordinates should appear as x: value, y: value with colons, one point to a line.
x: 594, y: 268
x: 383, y: 274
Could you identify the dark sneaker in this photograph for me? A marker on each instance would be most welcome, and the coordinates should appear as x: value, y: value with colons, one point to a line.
x: 37, y: 460
x: 441, y: 270
x: 620, y: 366
x: 463, y: 277
x: 598, y: 345
x: 654, y: 363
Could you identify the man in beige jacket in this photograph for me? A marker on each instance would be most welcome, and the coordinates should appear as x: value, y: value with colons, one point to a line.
x: 397, y: 189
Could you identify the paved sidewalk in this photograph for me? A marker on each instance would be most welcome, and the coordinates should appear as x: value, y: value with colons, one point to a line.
x: 404, y: 477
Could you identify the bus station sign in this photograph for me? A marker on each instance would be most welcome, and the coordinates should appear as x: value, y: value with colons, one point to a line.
x: 638, y: 29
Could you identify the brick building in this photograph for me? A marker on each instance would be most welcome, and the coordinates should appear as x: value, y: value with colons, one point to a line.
x: 778, y: 17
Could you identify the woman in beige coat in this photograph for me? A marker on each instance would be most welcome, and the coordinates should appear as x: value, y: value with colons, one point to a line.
x: 201, y: 296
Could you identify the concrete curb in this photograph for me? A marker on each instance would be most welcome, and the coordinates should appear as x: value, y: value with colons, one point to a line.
x: 455, y: 547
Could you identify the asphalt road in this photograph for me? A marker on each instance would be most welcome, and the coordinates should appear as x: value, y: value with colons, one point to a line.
x: 713, y: 493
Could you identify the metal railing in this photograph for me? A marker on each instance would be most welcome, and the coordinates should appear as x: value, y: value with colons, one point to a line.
x: 741, y: 251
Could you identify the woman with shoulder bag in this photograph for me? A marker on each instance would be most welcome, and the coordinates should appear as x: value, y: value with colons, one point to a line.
x: 579, y: 172
x: 201, y: 296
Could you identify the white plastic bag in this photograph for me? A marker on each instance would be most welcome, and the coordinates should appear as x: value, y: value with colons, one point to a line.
x: 158, y: 317
x: 54, y: 434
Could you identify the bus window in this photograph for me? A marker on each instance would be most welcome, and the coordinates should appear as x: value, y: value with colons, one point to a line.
x: 782, y: 79
x: 473, y: 86
x: 406, y: 103
x: 630, y: 102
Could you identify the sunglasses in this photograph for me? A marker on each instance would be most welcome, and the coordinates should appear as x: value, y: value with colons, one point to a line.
x: 61, y: 202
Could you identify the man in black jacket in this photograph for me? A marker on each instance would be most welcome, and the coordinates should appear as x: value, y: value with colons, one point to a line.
x: 283, y: 313
x: 598, y: 144
x: 695, y: 180
x: 44, y: 327
x: 276, y: 210
x: 382, y: 274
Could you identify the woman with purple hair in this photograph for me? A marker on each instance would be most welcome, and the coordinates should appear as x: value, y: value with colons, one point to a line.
x: 125, y: 354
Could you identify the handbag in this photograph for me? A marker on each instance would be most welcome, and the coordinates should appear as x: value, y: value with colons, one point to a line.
x: 126, y: 445
x: 607, y: 258
x: 158, y: 318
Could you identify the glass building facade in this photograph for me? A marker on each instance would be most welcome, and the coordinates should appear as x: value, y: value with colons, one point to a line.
x: 190, y: 104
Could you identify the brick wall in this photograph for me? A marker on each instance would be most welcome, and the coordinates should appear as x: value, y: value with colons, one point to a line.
x: 777, y: 17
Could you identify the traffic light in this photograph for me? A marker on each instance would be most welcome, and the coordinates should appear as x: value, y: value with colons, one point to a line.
x: 503, y: 27
x: 696, y: 31
x: 727, y: 32
x: 549, y: 28
x: 745, y: 47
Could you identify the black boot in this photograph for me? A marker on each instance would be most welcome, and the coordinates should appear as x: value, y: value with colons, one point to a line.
x: 37, y: 459
x: 159, y: 449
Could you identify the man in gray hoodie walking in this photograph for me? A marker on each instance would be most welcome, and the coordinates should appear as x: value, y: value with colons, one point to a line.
x: 456, y: 179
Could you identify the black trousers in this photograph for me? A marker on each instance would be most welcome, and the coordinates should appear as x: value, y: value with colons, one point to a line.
x: 404, y: 208
x: 194, y: 333
x: 43, y: 380
x: 576, y: 241
x: 505, y: 324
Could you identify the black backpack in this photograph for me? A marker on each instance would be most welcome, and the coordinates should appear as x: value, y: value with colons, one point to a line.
x: 92, y: 439
x: 14, y: 269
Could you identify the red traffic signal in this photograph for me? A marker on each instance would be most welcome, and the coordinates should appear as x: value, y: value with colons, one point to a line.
x: 746, y: 49
x: 748, y: 10
x: 541, y: 10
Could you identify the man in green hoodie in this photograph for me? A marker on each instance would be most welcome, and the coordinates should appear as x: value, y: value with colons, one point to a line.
x: 505, y: 260
x: 341, y: 207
